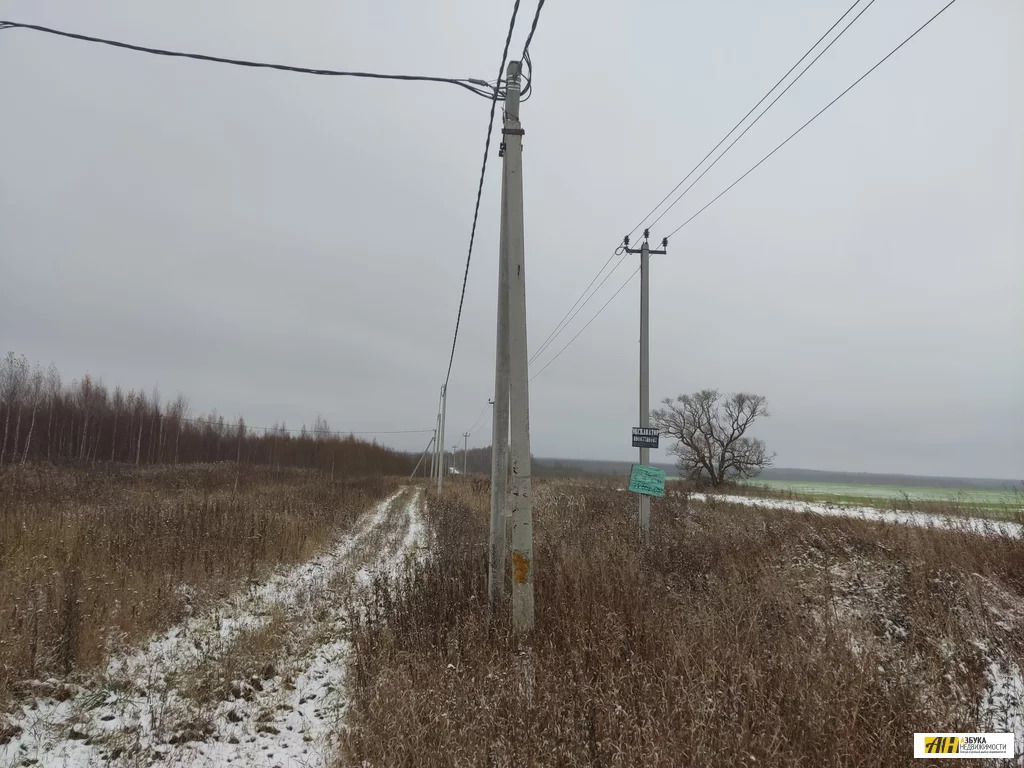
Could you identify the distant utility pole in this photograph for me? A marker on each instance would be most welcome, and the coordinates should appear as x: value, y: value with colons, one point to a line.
x: 437, y: 431
x: 436, y: 464
x: 433, y: 453
x: 645, y: 358
x: 465, y: 450
x: 521, y: 485
x: 422, y: 457
x: 440, y: 440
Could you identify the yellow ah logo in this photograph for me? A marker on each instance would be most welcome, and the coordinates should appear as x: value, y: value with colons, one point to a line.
x: 942, y: 745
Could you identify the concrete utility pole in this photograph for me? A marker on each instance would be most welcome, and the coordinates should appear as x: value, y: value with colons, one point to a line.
x: 465, y: 450
x: 422, y: 457
x: 435, y: 465
x: 499, y: 420
x: 440, y: 440
x: 521, y: 486
x: 645, y: 358
x: 433, y: 453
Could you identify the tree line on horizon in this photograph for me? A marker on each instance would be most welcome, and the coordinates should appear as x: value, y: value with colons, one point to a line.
x: 44, y: 419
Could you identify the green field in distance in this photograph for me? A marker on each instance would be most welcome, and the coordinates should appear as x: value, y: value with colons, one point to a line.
x: 847, y: 491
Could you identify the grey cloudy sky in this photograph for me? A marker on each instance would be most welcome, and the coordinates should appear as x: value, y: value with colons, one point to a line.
x: 279, y: 245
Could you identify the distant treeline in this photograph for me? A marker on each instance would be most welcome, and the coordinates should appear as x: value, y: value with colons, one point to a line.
x: 44, y: 419
x: 478, y: 462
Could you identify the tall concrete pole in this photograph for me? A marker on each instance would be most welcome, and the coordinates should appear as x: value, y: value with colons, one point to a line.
x: 440, y: 440
x: 645, y: 373
x: 465, y: 452
x: 521, y: 485
x: 499, y: 420
x: 645, y: 360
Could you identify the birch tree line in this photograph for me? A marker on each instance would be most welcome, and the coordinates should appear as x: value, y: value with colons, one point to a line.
x: 44, y: 419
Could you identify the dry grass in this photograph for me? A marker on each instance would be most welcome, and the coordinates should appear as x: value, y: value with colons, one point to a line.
x: 737, y: 637
x: 93, y: 559
x: 292, y: 630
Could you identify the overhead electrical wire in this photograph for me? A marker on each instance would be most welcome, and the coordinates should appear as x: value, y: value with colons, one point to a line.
x: 815, y: 117
x: 573, y: 310
x: 477, y: 420
x: 743, y: 119
x: 782, y: 93
x: 498, y: 91
x: 480, y: 190
x: 755, y: 167
x: 527, y: 91
x: 533, y: 29
x: 581, y: 330
x: 571, y: 315
x: 470, y: 84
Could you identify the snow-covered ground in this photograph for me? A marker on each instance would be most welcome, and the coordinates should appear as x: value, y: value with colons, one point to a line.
x: 964, y: 524
x: 143, y: 709
x: 1002, y: 707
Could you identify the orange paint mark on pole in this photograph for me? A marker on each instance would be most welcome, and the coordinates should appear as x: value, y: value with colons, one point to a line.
x: 520, y: 568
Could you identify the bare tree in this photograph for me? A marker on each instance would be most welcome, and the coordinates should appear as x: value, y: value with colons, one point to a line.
x: 711, y: 430
x: 35, y: 397
x: 14, y: 376
x: 177, y: 412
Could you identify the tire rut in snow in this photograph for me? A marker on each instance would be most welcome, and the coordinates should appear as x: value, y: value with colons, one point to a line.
x: 257, y: 682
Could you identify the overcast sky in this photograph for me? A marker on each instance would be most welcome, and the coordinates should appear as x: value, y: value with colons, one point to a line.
x: 278, y: 245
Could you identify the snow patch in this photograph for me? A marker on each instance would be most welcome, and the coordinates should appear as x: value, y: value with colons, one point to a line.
x: 124, y: 718
x: 922, y: 520
x: 1002, y: 705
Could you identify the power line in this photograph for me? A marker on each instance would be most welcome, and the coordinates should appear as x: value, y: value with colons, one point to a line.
x: 527, y: 91
x: 476, y: 421
x: 816, y: 116
x: 480, y: 189
x: 581, y: 330
x: 558, y: 327
x: 781, y: 94
x: 755, y: 167
x: 571, y: 315
x: 533, y: 28
x: 743, y: 119
x: 470, y: 84
x: 566, y: 319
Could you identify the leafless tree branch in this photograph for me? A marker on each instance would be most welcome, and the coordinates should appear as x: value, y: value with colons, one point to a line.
x: 711, y: 431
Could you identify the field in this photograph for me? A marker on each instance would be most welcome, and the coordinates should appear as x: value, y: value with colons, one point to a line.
x: 738, y: 636
x: 140, y: 597
x: 857, y: 493
x: 223, y: 614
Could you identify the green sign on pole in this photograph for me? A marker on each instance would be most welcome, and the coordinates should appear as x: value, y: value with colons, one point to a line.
x: 649, y: 481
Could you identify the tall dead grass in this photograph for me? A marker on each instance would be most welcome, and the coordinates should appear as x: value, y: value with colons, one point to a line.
x: 92, y: 559
x: 736, y: 637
